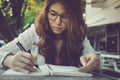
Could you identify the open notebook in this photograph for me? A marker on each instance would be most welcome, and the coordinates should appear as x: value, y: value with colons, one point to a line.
x: 48, y: 69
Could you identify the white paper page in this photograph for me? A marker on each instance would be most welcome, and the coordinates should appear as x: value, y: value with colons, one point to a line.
x: 58, y: 68
x: 11, y: 72
x: 67, y: 71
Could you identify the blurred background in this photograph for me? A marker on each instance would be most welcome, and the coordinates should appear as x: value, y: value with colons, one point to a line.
x: 103, y: 20
x: 16, y: 16
x: 101, y: 16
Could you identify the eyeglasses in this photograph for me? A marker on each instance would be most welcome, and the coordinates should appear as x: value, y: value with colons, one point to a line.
x: 52, y: 15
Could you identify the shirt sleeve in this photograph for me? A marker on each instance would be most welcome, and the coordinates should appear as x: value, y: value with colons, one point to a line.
x: 27, y: 38
x: 87, y: 46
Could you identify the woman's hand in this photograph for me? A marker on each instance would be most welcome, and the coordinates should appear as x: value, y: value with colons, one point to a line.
x: 22, y: 61
x: 90, y: 62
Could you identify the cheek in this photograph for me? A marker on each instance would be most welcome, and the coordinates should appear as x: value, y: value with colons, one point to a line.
x: 50, y: 22
x: 65, y: 26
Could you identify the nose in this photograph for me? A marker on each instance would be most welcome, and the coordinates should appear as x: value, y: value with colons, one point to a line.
x: 58, y: 20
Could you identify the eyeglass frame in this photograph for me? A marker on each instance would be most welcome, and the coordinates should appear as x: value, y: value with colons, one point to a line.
x: 62, y: 17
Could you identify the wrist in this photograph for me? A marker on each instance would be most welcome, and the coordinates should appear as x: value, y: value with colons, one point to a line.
x: 7, y: 61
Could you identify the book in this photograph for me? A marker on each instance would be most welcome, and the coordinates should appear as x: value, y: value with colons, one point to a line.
x: 50, y: 70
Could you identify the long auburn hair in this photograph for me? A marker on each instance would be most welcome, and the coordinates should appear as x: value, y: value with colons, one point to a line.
x: 72, y: 39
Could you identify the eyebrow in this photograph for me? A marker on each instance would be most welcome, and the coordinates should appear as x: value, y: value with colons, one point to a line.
x: 57, y: 12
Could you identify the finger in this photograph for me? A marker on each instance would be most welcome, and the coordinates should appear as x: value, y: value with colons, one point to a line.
x: 35, y: 59
x: 30, y: 57
x: 26, y: 61
x: 89, y: 68
x: 92, y: 68
x: 90, y: 62
x: 83, y: 69
x: 26, y: 58
x: 93, y: 60
x: 26, y: 66
x: 31, y: 69
x: 83, y: 60
x: 21, y: 69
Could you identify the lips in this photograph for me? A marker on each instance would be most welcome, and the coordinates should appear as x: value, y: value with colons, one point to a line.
x: 56, y: 28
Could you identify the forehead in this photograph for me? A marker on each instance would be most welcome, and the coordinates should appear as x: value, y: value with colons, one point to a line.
x: 58, y: 7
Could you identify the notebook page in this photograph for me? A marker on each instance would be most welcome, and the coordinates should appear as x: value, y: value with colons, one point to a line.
x: 59, y: 68
x: 68, y: 71
x: 11, y: 72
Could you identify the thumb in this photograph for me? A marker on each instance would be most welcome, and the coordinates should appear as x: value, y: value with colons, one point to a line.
x: 83, y: 61
x: 35, y: 59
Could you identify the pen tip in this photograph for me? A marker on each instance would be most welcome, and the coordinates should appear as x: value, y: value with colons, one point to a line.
x: 36, y: 65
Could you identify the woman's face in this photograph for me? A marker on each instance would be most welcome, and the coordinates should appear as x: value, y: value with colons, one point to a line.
x: 58, y: 18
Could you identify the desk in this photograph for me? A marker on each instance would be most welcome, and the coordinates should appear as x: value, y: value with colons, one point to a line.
x: 95, y: 77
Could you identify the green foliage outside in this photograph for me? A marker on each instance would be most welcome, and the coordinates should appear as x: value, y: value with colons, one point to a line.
x: 0, y: 2
x: 32, y: 10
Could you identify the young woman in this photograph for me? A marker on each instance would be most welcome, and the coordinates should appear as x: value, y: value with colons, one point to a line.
x: 58, y: 36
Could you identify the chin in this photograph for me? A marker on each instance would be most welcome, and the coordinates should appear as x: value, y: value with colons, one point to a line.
x: 57, y: 33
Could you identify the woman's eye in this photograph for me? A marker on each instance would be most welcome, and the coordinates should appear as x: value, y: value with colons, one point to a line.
x: 53, y: 14
x: 64, y: 17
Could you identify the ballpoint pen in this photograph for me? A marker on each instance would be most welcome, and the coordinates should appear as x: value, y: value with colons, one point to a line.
x: 23, y: 49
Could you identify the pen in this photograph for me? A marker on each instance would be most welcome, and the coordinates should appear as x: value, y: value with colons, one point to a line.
x: 23, y: 49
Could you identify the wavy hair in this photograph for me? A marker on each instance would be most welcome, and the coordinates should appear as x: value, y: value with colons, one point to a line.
x: 72, y: 39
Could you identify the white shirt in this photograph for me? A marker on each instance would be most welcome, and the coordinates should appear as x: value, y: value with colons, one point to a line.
x: 27, y: 38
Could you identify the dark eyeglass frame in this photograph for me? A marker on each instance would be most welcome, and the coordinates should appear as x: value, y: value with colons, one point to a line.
x: 53, y: 15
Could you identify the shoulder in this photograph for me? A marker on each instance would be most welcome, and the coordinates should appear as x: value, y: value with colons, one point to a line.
x: 31, y: 30
x: 33, y: 33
